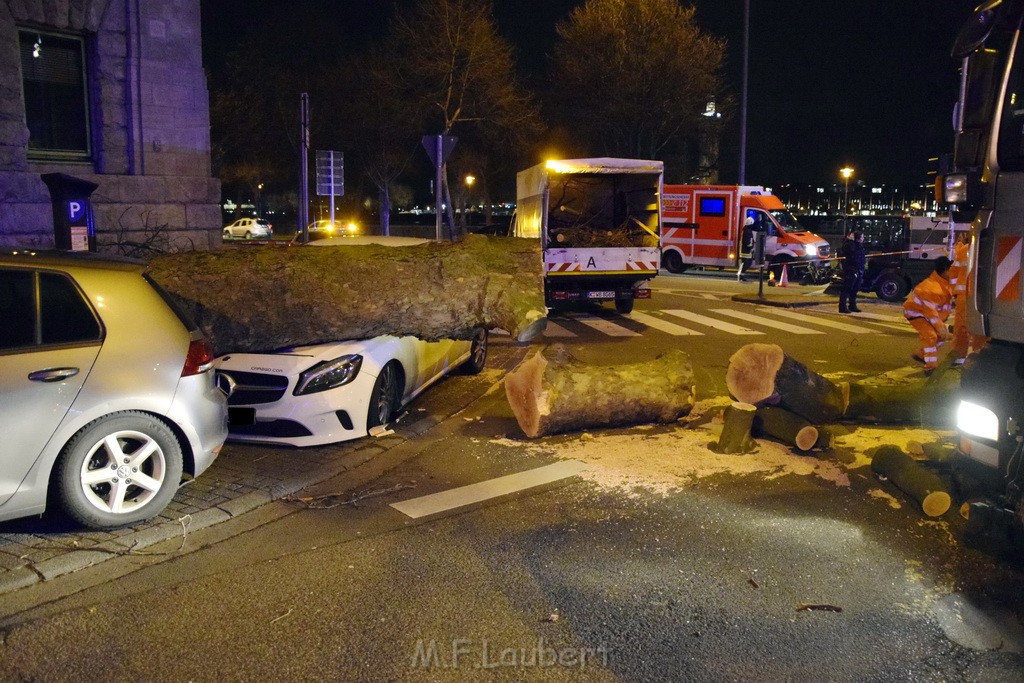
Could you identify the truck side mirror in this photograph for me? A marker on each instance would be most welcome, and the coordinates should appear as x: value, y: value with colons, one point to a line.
x: 975, y: 110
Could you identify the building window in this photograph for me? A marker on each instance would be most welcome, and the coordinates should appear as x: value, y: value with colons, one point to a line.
x: 56, y: 98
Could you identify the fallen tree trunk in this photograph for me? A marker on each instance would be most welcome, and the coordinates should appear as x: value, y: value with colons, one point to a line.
x: 264, y: 298
x: 920, y: 483
x: 737, y: 421
x: 763, y: 374
x: 552, y: 392
x: 924, y: 401
x: 789, y: 428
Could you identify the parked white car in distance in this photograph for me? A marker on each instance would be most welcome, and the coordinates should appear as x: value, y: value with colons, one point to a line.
x: 249, y: 228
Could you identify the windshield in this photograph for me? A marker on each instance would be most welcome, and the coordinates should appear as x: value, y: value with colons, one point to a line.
x: 787, y: 221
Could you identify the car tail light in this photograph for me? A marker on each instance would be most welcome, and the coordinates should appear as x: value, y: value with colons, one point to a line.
x: 199, y: 358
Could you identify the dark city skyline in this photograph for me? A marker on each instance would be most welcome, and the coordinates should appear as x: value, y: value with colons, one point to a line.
x: 869, y: 85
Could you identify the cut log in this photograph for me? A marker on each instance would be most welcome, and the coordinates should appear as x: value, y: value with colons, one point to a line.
x: 934, y: 451
x: 552, y: 392
x: 920, y: 483
x: 785, y: 426
x: 928, y: 400
x: 261, y: 298
x: 736, y: 425
x: 763, y: 374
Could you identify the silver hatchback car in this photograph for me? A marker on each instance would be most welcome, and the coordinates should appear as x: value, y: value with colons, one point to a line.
x: 107, y: 394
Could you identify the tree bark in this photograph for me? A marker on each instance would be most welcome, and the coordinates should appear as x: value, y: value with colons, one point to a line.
x: 790, y: 428
x: 737, y: 421
x: 921, y: 484
x: 762, y: 374
x: 925, y: 401
x: 551, y: 392
x: 264, y: 298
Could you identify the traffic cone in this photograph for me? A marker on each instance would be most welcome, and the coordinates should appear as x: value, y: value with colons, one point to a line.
x: 784, y: 278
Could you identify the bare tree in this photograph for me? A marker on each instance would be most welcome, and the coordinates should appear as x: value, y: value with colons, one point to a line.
x: 632, y: 77
x: 456, y: 70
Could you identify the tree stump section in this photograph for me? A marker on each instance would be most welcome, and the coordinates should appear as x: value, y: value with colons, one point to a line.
x: 763, y: 374
x: 552, y: 392
x: 737, y: 420
x: 920, y: 483
x: 789, y: 428
x: 251, y: 299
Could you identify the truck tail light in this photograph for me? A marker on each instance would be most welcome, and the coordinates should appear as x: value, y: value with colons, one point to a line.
x: 199, y: 358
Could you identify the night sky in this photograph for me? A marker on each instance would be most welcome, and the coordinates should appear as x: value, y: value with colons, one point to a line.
x: 865, y: 84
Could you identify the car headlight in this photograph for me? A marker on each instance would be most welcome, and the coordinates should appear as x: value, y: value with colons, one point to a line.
x: 811, y: 249
x: 977, y: 421
x: 330, y: 374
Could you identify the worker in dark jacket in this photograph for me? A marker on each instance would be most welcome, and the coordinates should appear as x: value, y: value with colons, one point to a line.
x: 853, y: 262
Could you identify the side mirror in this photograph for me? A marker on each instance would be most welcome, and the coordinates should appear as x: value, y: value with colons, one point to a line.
x: 976, y: 31
x: 974, y: 111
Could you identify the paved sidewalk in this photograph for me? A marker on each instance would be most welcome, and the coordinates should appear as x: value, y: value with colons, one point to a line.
x: 242, y: 479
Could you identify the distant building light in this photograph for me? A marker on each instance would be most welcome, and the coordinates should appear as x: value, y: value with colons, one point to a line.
x: 876, y: 190
x: 710, y: 110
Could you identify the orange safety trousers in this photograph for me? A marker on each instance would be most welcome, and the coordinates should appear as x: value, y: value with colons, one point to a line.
x: 928, y: 342
x: 964, y: 341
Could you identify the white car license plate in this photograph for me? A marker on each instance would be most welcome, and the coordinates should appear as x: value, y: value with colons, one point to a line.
x: 600, y: 295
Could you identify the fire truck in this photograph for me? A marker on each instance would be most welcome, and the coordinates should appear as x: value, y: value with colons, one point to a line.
x: 714, y: 225
x: 598, y: 223
x: 987, y: 174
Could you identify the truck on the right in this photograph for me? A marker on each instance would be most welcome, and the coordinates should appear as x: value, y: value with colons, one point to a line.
x: 986, y: 175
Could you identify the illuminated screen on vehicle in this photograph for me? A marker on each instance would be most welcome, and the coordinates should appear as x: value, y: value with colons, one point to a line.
x: 712, y: 206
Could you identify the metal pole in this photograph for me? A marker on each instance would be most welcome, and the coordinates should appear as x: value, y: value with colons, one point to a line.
x: 743, y: 96
x: 439, y: 152
x: 331, y: 156
x: 304, y: 173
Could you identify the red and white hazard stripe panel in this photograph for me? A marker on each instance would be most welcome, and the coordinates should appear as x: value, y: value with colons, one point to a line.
x: 562, y: 267
x: 1008, y: 260
x: 641, y: 265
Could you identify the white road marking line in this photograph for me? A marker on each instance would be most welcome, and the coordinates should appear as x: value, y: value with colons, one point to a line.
x: 485, y: 490
x: 768, y: 322
x: 553, y: 329
x: 817, y: 320
x: 880, y: 316
x: 663, y: 325
x: 603, y: 326
x: 712, y: 322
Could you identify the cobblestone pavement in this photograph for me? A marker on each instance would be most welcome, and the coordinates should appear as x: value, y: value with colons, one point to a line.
x: 242, y: 478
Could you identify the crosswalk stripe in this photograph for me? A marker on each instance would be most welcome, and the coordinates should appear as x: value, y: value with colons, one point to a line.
x: 712, y: 322
x: 768, y: 322
x: 602, y: 325
x: 553, y: 329
x: 880, y: 316
x: 816, y: 320
x: 663, y: 325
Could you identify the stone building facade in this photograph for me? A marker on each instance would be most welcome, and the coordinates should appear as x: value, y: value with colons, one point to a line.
x: 113, y: 92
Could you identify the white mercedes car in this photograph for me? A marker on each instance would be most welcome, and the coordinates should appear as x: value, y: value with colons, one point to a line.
x: 314, y: 395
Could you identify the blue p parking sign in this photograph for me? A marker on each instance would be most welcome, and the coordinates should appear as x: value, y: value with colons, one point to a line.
x: 76, y: 211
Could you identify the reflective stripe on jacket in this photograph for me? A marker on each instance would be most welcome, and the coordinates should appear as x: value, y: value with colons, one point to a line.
x: 930, y: 300
x: 958, y: 271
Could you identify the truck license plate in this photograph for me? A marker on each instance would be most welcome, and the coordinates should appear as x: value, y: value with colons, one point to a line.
x: 600, y: 295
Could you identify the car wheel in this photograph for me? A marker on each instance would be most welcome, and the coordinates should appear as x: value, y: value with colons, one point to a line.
x: 477, y: 354
x: 891, y: 287
x: 248, y: 235
x: 227, y: 234
x: 624, y: 306
x: 118, y: 470
x: 385, y: 396
x: 673, y: 262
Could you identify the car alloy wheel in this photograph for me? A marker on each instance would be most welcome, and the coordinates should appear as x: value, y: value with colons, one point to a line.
x: 119, y: 470
x: 384, y: 397
x: 477, y: 354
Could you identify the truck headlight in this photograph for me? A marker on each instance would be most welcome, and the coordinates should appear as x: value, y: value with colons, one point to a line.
x: 330, y: 374
x: 977, y: 421
x: 811, y: 249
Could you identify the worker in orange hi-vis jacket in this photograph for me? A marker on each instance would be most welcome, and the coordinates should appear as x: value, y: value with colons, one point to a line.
x: 927, y: 309
x: 964, y: 341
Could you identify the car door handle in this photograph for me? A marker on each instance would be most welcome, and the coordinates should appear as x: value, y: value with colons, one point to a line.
x: 52, y: 374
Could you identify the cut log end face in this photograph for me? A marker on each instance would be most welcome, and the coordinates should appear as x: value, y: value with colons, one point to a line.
x: 752, y: 369
x: 936, y: 503
x: 524, y: 388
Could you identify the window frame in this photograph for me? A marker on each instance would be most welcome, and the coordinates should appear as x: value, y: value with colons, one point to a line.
x: 38, y: 344
x: 49, y: 154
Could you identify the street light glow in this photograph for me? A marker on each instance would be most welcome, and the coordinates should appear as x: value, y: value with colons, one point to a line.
x: 470, y: 179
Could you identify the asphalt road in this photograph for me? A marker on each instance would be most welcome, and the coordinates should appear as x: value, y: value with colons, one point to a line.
x: 657, y: 561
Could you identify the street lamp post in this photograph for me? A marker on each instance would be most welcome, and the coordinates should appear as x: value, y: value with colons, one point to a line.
x: 846, y: 172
